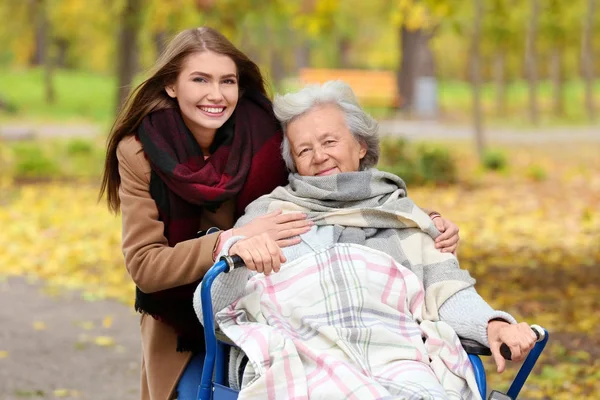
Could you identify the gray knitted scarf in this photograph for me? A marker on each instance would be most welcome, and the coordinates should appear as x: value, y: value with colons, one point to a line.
x: 371, y: 208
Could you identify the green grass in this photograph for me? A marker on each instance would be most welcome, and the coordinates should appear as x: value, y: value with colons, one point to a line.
x: 455, y: 102
x: 80, y: 96
x: 88, y: 97
x: 59, y: 158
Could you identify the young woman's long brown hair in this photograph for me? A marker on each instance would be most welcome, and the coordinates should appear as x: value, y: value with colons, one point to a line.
x: 150, y: 95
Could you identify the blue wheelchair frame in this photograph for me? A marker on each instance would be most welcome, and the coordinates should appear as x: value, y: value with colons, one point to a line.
x: 215, y: 362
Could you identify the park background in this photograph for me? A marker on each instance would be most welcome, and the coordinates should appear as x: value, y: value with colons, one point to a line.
x: 491, y: 119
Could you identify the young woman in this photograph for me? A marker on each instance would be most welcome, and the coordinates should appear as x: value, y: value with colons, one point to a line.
x: 195, y: 143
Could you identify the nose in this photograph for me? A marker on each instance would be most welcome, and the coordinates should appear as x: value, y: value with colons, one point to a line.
x: 319, y: 155
x: 215, y: 94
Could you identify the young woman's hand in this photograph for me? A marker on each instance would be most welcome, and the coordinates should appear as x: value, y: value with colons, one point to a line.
x: 519, y: 338
x: 260, y: 253
x: 447, y: 242
x: 284, y: 229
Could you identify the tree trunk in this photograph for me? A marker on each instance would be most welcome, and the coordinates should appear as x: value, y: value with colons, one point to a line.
x: 127, y: 53
x: 588, y: 58
x: 302, y: 55
x: 160, y: 42
x: 475, y: 61
x: 417, y: 60
x: 344, y: 47
x: 500, y: 78
x: 61, y: 47
x: 408, y: 73
x: 43, y: 51
x: 277, y: 67
x: 556, y: 63
x: 531, y: 61
x: 41, y: 32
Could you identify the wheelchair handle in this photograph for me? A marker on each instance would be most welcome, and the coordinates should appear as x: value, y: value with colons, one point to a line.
x: 540, y: 335
x: 232, y: 262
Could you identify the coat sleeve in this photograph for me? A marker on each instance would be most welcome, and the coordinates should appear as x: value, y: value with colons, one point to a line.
x: 151, y: 262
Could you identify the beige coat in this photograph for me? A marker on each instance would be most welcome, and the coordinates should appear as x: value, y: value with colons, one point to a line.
x: 155, y: 266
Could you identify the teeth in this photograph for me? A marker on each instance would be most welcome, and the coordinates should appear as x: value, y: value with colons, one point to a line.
x: 213, y: 110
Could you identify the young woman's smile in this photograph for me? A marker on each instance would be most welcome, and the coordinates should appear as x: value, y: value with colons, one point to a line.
x: 207, y: 93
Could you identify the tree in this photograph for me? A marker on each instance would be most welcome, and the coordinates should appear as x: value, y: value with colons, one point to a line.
x: 588, y: 57
x: 128, y: 48
x: 531, y: 60
x: 44, y: 53
x: 416, y: 21
x: 498, y: 29
x: 554, y: 21
x: 475, y: 63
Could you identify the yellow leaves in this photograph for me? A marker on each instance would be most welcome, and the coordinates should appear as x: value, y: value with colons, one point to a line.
x: 104, y: 341
x: 3, y: 354
x: 65, y: 393
x: 86, y: 325
x: 61, y: 234
x: 416, y: 15
x: 39, y: 325
x: 107, y: 321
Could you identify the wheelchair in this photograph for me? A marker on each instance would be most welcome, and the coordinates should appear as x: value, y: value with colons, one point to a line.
x: 214, y: 374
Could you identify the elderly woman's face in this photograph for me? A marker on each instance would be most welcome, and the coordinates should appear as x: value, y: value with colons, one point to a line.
x: 321, y: 143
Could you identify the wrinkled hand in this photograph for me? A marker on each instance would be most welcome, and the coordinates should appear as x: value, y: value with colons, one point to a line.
x: 447, y: 242
x: 284, y: 229
x: 260, y: 253
x: 519, y: 338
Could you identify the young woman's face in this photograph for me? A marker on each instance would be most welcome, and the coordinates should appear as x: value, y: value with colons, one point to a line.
x: 206, y: 90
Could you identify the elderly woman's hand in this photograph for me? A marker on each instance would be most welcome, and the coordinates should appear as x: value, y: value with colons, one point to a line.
x: 519, y: 338
x: 260, y: 253
x: 447, y: 242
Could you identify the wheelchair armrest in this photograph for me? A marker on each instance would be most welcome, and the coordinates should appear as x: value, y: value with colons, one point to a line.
x: 473, y: 347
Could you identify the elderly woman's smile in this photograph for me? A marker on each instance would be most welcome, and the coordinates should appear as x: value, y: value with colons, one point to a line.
x: 321, y: 143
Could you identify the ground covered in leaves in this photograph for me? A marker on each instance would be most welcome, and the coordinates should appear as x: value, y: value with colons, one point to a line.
x: 531, y: 239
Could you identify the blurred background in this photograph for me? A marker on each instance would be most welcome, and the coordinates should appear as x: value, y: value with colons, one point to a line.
x: 488, y: 108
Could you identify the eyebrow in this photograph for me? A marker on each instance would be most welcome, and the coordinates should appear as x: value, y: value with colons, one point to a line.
x: 321, y: 137
x: 210, y: 76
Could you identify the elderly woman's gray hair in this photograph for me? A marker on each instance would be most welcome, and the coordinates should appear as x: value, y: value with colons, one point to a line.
x: 364, y: 128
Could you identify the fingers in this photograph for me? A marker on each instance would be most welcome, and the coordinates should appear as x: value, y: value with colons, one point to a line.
x: 450, y: 249
x: 289, y: 233
x: 260, y: 253
x: 274, y: 256
x: 498, y: 359
x: 289, y: 217
x: 448, y: 245
x: 258, y: 258
x: 288, y: 242
x: 519, y: 338
x: 273, y: 214
x: 448, y: 240
x: 525, y: 340
x: 439, y: 224
x: 240, y: 249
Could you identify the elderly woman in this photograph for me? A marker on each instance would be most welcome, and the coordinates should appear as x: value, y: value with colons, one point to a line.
x: 331, y: 147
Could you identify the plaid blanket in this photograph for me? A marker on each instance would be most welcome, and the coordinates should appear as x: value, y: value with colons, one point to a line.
x: 344, y: 322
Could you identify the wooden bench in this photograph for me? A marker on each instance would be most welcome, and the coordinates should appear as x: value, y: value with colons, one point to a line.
x: 373, y: 88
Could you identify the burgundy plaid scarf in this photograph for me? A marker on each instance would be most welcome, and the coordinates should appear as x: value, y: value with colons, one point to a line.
x: 245, y: 164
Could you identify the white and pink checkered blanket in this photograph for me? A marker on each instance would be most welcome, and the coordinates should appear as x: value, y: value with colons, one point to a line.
x: 344, y: 323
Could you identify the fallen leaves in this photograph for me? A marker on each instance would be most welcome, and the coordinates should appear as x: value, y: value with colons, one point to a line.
x: 39, y: 325
x: 104, y: 341
x: 65, y: 393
